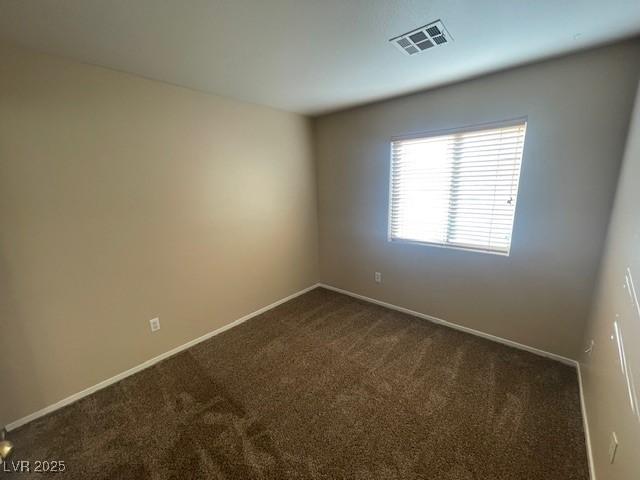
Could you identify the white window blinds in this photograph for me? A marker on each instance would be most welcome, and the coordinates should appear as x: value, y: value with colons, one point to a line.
x: 457, y: 189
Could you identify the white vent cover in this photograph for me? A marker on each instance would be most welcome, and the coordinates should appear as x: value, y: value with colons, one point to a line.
x: 423, y: 38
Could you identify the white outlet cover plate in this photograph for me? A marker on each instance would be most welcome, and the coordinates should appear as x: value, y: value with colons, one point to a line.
x: 613, y: 447
x: 155, y: 324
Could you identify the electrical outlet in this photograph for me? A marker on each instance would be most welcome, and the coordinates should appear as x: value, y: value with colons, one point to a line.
x: 155, y: 324
x: 613, y: 447
x: 589, y: 349
x: 378, y: 277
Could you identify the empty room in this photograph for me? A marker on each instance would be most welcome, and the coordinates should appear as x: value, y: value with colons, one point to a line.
x: 320, y: 239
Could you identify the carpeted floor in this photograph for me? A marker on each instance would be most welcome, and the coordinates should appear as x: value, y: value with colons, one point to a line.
x: 326, y: 386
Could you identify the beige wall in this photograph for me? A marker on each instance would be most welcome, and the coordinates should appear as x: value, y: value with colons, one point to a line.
x: 605, y: 384
x: 122, y: 199
x: 578, y: 109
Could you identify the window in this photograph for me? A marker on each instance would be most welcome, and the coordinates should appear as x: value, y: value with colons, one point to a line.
x: 457, y: 189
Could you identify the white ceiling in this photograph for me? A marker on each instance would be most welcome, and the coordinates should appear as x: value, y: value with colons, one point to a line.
x: 310, y: 56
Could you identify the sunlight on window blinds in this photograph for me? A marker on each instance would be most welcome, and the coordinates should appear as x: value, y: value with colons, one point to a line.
x: 457, y: 189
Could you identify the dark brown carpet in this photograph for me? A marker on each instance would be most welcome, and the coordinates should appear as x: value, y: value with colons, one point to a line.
x: 328, y: 387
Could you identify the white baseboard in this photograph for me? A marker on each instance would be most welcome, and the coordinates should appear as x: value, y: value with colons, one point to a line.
x: 477, y: 333
x: 116, y: 378
x: 585, y: 425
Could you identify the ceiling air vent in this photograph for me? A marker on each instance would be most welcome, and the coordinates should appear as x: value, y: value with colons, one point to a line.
x: 422, y: 38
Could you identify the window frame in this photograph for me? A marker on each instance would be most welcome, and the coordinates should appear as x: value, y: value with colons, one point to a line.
x: 452, y: 131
